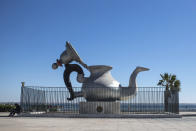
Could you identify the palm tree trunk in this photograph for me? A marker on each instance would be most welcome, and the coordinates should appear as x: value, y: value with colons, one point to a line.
x: 166, y: 101
x: 166, y: 98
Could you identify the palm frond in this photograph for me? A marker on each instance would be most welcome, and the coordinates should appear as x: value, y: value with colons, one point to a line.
x: 160, y: 83
x: 177, y: 83
x: 169, y: 81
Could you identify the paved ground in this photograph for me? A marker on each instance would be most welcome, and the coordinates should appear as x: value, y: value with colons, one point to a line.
x: 79, y: 124
x: 188, y: 113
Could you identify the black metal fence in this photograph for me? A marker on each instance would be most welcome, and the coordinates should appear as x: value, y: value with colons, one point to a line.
x: 54, y: 99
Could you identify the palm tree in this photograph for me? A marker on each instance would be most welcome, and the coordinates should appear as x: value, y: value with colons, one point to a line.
x: 170, y: 82
x: 172, y: 85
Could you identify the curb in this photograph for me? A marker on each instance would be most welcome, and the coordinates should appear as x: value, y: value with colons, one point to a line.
x: 101, y: 115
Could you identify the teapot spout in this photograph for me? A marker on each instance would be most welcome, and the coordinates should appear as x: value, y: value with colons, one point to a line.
x: 132, y: 80
x: 131, y: 90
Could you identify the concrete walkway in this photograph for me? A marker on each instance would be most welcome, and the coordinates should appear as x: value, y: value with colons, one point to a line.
x: 96, y: 124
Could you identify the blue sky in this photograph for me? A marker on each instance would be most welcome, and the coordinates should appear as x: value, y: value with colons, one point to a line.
x: 160, y: 35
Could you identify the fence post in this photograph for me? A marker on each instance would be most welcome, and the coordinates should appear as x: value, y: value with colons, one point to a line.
x: 21, y: 96
x: 23, y: 83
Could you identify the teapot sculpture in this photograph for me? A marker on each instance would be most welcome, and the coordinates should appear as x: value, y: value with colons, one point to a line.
x: 100, y: 85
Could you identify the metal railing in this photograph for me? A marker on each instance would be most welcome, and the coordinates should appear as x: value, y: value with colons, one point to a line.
x: 54, y: 99
x: 187, y: 107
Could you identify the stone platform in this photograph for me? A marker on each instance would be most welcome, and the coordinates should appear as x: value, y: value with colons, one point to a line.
x: 99, y: 108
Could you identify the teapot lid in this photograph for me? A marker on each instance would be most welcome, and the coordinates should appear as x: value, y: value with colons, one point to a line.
x: 74, y: 55
x: 72, y: 52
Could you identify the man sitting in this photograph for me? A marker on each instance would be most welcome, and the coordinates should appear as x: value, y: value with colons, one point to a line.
x: 16, y: 110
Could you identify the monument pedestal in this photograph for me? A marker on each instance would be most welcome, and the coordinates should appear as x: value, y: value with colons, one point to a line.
x: 98, y: 107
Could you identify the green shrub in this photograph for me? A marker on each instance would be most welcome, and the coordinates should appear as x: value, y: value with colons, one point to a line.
x: 6, y: 107
x: 53, y: 109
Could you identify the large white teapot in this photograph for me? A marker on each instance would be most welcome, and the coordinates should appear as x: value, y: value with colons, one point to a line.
x: 100, y: 86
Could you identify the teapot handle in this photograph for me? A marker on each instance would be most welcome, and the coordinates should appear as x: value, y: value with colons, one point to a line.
x: 69, y: 69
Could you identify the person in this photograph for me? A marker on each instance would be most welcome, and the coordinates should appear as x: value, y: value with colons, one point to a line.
x: 17, y: 110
